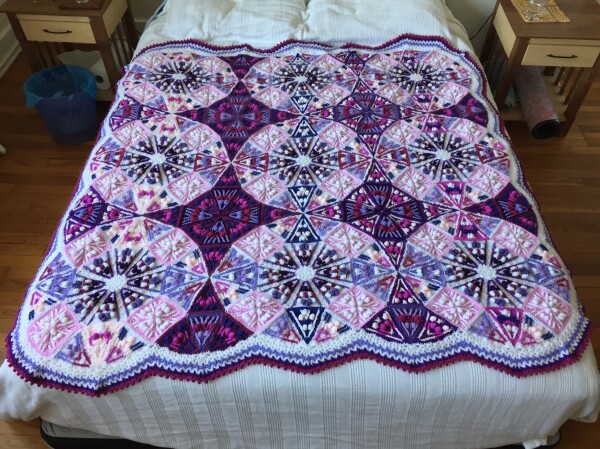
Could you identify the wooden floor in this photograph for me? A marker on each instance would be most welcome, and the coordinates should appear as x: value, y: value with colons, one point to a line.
x: 37, y: 177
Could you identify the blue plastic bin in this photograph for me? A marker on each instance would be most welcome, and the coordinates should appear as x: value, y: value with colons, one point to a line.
x: 65, y: 98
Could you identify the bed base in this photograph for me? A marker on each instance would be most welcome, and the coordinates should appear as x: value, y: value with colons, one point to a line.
x: 59, y: 437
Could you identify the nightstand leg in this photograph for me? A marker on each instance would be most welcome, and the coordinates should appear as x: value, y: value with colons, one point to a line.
x: 130, y: 28
x: 490, y: 37
x: 578, y: 95
x: 514, y: 62
x: 27, y: 46
x: 103, y: 42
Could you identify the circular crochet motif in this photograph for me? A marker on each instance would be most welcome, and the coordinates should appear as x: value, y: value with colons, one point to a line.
x: 238, y: 117
x: 300, y: 207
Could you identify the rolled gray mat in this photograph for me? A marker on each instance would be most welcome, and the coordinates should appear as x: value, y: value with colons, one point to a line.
x: 536, y: 104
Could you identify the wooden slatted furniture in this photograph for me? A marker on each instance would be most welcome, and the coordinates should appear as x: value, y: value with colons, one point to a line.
x: 44, y: 30
x: 569, y: 51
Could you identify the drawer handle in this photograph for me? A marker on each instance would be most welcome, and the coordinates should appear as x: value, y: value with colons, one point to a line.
x: 56, y: 32
x: 562, y: 57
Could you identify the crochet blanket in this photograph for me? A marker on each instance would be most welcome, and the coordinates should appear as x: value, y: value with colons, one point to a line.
x: 299, y: 207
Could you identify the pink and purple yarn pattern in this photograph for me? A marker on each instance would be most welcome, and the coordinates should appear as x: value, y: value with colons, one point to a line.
x: 299, y: 207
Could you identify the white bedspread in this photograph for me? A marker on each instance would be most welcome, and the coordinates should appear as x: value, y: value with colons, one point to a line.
x: 363, y: 404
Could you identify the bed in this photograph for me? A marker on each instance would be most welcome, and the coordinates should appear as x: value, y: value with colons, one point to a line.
x: 143, y: 325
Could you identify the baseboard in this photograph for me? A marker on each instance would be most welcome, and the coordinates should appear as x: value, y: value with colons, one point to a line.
x: 10, y: 49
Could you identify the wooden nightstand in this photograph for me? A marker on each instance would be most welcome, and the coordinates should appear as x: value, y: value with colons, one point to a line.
x: 569, y: 51
x: 44, y: 31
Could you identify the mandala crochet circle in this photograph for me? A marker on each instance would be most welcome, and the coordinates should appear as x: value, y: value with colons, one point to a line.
x: 299, y: 207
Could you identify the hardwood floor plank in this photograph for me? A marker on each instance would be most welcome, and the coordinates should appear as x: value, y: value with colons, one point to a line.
x: 23, y: 442
x: 22, y: 428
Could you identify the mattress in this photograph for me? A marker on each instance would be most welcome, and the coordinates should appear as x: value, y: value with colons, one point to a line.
x: 362, y: 403
x: 155, y: 33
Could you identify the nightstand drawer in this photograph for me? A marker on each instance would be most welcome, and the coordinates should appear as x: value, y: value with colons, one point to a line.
x: 561, y: 55
x: 57, y: 29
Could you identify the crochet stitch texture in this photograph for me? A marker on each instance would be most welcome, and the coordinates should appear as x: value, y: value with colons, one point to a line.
x: 299, y: 207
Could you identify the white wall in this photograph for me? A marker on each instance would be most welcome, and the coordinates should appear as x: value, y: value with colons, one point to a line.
x: 472, y: 13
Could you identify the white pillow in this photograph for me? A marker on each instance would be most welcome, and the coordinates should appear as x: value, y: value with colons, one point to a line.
x: 261, y: 23
x: 373, y: 22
